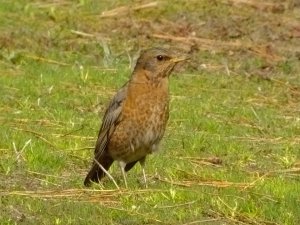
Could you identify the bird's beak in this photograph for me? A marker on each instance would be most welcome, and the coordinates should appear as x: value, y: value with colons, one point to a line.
x: 178, y: 59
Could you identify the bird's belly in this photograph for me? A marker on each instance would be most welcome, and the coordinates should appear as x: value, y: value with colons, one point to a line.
x: 153, y: 126
x: 140, y: 135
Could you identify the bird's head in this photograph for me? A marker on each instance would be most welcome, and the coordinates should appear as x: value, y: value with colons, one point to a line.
x: 157, y: 63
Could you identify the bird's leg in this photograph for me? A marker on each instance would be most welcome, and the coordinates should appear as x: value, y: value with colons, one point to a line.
x: 122, y: 166
x: 142, y: 162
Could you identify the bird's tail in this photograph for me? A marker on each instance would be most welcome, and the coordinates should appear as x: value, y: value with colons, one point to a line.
x: 96, y: 173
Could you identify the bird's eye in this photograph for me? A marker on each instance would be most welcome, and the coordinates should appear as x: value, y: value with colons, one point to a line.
x: 159, y: 57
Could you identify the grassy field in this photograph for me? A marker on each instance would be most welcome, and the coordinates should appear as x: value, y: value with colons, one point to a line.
x: 231, y: 153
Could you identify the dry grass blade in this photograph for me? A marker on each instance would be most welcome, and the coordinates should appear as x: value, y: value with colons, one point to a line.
x: 262, y: 6
x: 84, y: 195
x: 217, y: 184
x: 38, y: 135
x: 205, y: 43
x: 295, y: 171
x: 107, y: 196
x: 125, y: 9
x: 255, y: 181
x: 214, y: 161
x: 40, y: 122
x: 79, y: 149
x: 60, y: 193
x: 51, y: 61
x: 177, y: 205
x: 81, y: 33
x: 107, y: 173
x: 51, y: 4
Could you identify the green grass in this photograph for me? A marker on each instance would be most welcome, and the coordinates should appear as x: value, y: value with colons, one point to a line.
x: 231, y: 151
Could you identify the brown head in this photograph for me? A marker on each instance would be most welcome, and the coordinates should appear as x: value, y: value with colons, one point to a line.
x: 156, y: 63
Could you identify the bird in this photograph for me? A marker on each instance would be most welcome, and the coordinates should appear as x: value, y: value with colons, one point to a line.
x: 135, y: 119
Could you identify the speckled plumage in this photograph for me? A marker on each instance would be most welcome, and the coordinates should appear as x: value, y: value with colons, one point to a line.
x: 135, y: 120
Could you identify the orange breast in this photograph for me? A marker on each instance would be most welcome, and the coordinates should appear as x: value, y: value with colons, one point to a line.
x: 144, y: 117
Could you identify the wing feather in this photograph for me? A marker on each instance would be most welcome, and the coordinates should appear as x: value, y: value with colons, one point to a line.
x: 110, y: 119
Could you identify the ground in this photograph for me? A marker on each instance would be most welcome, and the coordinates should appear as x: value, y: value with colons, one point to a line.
x: 231, y: 151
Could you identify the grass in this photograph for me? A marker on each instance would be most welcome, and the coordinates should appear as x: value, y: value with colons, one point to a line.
x: 231, y: 151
